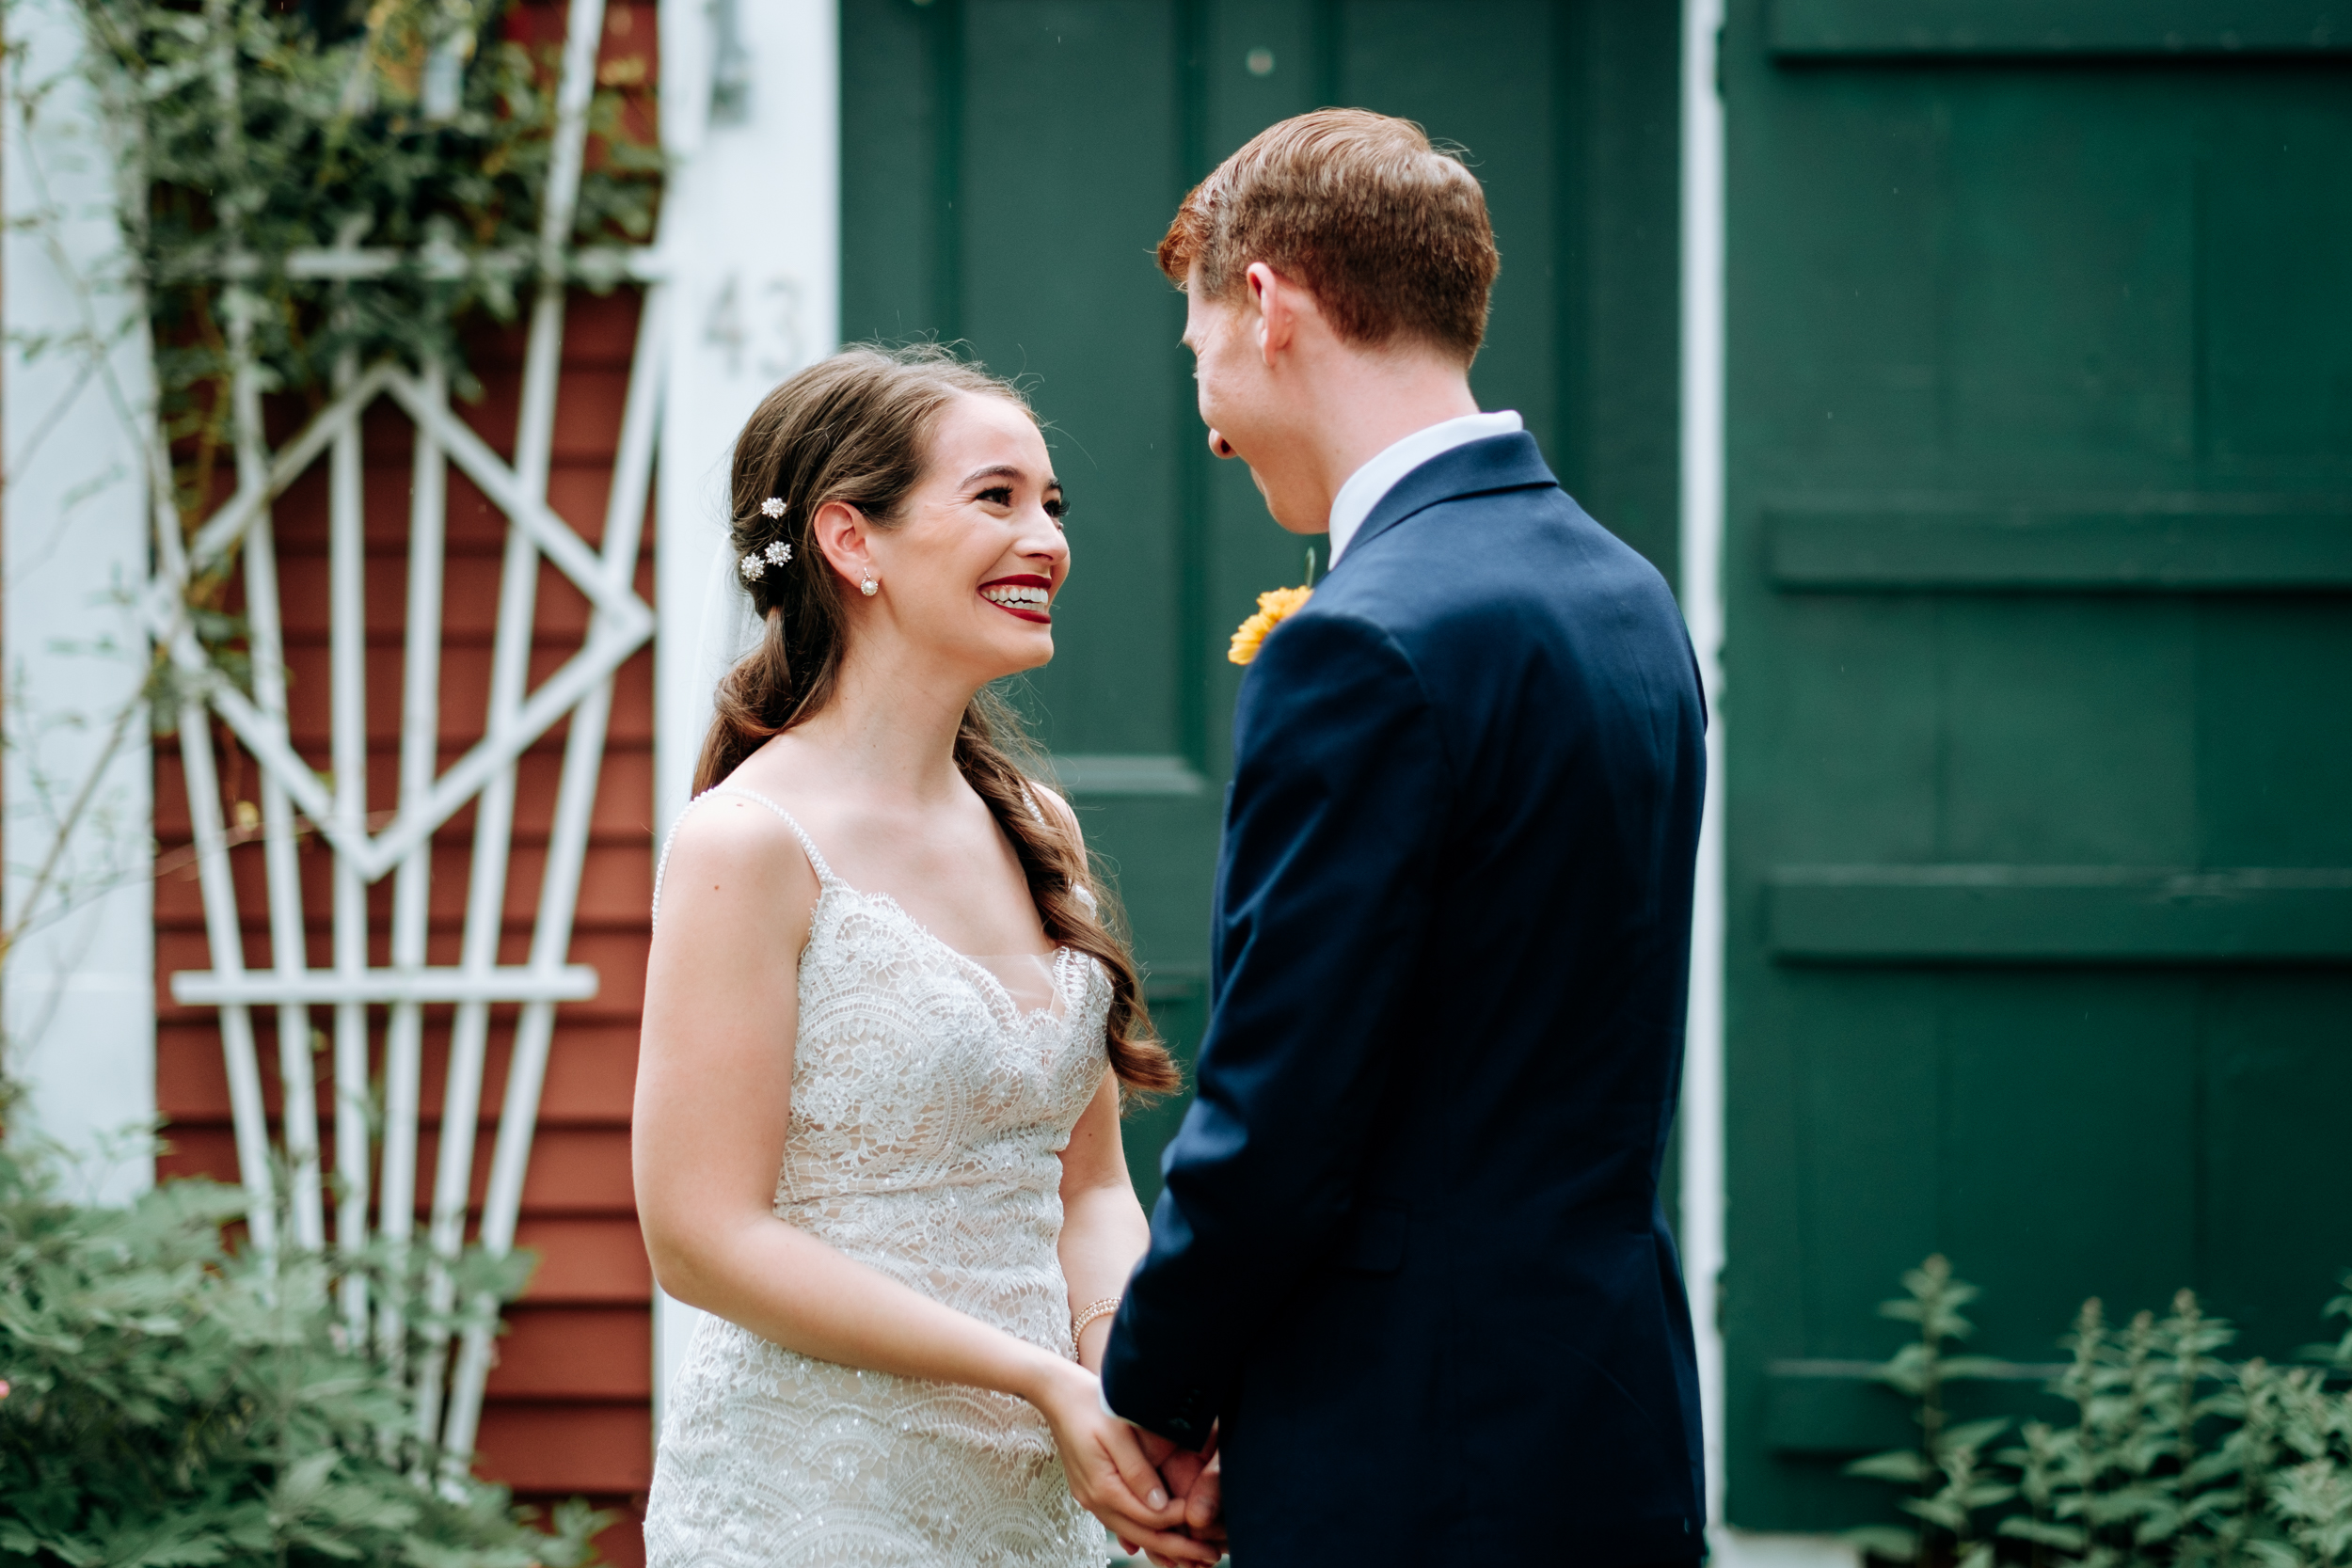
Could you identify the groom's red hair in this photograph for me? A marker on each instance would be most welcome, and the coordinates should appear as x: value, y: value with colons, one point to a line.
x: 1388, y: 233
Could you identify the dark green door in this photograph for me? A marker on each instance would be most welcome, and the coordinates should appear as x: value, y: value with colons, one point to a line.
x: 2039, y: 571
x: 1009, y: 167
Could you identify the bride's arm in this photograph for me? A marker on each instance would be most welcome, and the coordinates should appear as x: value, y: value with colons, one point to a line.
x: 714, y: 1087
x: 1103, y: 1227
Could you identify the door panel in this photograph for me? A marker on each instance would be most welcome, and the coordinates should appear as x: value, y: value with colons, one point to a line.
x: 2093, y: 768
x: 1009, y: 167
x: 2038, y: 577
x: 2270, y: 783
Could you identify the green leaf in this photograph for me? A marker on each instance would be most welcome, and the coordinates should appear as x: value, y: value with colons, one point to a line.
x: 1895, y: 1545
x: 1958, y: 1368
x: 1938, y: 1511
x: 1969, y: 1436
x: 304, y: 1479
x: 1905, y: 1466
x: 2067, y: 1538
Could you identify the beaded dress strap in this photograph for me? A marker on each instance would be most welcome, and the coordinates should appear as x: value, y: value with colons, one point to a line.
x: 808, y: 845
x: 1085, y: 893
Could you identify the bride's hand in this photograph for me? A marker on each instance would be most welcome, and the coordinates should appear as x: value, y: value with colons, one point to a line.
x: 1108, y: 1473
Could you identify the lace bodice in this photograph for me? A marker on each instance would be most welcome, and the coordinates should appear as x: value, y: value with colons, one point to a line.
x: 930, y: 1108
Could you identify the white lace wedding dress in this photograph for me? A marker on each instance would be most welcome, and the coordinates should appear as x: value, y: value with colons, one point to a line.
x: 928, y: 1107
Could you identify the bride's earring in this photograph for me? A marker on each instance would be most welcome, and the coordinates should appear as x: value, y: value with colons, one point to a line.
x: 869, y: 587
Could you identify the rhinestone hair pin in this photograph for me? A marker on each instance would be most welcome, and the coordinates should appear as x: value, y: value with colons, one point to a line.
x: 755, y: 566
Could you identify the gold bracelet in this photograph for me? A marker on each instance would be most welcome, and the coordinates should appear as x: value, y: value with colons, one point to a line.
x: 1086, y: 1314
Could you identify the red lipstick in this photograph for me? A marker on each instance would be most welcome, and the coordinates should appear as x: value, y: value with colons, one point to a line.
x: 1025, y: 595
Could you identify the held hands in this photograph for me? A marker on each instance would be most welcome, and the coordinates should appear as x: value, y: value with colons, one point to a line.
x: 1196, y: 1480
x: 1111, y: 1477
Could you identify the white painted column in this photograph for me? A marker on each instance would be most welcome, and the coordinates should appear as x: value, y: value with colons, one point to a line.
x: 751, y: 244
x: 1705, y: 1198
x: 79, y: 1006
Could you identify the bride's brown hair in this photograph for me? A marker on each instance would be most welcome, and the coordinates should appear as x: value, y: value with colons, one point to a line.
x: 857, y: 428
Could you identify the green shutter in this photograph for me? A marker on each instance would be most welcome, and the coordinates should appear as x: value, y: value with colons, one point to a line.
x: 2039, y: 576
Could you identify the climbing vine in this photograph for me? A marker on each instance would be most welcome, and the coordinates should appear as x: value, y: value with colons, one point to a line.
x: 339, y: 200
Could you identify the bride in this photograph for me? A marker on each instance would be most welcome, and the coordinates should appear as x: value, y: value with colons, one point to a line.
x: 887, y: 1026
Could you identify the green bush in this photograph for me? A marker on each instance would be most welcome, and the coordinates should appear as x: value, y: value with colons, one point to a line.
x: 170, y: 1400
x: 2175, y: 1456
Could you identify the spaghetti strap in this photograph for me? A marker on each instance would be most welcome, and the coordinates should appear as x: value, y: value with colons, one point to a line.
x: 824, y: 872
x: 808, y: 845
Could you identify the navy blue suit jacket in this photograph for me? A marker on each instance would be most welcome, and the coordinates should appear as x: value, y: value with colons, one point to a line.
x: 1411, y: 1251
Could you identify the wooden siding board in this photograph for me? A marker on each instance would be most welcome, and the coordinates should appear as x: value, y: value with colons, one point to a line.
x: 2013, y: 913
x: 616, y: 888
x: 574, y: 1354
x: 590, y: 1077
x: 465, y: 694
x: 597, y: 1261
x: 570, y: 1446
x: 2014, y: 27
x: 469, y: 598
x: 2193, y: 544
x: 575, y: 1172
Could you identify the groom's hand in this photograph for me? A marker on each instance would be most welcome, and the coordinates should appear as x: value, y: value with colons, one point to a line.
x: 1196, y: 1480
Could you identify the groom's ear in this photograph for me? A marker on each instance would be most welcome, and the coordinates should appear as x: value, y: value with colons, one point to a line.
x: 1277, y: 303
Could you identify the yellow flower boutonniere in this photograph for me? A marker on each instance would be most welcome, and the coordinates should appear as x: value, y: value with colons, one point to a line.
x: 1274, y: 607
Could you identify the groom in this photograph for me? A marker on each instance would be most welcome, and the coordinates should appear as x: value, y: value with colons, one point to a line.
x: 1410, y: 1270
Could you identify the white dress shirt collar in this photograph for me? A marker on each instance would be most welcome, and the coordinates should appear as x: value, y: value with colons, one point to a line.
x: 1376, y: 479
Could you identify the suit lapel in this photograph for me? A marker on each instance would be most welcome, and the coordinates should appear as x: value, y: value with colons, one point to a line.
x: 1479, y: 467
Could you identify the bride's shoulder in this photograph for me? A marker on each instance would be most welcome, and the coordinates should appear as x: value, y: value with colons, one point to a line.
x: 736, y: 849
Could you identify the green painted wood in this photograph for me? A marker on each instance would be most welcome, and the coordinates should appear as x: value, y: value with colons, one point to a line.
x: 1101, y: 774
x: 1837, y: 1409
x: 2039, y: 431
x: 2010, y: 27
x: 2051, y: 913
x: 1008, y: 167
x: 2165, y: 543
x: 1179, y: 999
x: 1836, y: 1414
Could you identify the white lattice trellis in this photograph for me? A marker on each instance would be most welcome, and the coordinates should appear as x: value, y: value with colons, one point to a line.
x: 450, y: 1401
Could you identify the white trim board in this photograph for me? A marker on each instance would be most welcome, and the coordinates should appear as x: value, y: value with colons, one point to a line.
x: 80, y: 1000
x: 1705, y: 1198
x: 1702, y: 443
